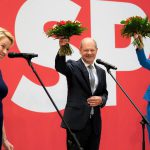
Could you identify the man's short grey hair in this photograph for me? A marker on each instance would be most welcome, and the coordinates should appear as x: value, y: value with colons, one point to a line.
x: 86, y: 39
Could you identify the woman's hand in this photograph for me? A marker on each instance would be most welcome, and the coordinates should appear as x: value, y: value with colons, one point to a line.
x: 139, y: 39
x: 7, y: 145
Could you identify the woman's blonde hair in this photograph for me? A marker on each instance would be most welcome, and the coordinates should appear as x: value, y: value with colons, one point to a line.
x: 5, y: 33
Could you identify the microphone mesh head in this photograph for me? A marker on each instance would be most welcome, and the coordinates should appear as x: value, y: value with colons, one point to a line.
x: 11, y: 54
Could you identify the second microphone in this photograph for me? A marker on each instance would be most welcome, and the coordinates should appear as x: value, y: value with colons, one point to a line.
x: 22, y: 55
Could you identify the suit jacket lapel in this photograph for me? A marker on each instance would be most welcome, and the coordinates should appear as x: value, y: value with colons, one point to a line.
x: 85, y: 73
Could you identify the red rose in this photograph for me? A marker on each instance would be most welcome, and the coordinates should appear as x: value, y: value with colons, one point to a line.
x: 61, y: 23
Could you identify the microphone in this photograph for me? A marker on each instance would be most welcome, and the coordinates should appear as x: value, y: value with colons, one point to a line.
x: 22, y: 55
x: 107, y: 65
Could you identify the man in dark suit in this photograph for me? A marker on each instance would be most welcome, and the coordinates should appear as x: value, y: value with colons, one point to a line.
x: 82, y: 111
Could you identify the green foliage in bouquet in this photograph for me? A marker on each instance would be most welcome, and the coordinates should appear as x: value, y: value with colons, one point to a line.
x: 135, y: 24
x: 65, y: 29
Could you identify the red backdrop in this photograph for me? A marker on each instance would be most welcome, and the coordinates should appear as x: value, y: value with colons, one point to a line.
x: 30, y: 130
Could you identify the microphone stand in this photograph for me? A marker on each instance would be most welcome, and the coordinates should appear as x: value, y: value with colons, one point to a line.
x: 68, y: 128
x: 144, y: 121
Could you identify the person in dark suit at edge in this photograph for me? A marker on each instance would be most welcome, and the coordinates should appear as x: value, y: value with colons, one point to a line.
x: 83, y: 109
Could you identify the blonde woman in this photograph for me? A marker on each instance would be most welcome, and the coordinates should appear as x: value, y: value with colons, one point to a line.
x: 6, y: 41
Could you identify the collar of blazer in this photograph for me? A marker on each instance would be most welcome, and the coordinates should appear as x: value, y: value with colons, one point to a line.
x: 85, y: 73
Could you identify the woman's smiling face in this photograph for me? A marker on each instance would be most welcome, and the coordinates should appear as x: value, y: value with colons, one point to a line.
x: 5, y: 44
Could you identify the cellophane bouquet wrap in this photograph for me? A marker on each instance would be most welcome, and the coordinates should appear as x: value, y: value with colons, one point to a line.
x: 65, y: 29
x: 136, y: 25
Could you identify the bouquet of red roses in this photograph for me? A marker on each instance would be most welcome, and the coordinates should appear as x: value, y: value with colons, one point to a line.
x: 65, y: 29
x: 136, y: 25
